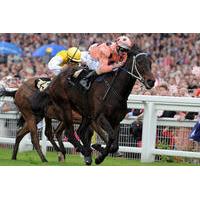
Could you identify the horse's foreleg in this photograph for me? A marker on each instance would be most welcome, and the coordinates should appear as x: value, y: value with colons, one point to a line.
x: 88, y: 136
x: 34, y: 137
x: 58, y: 132
x: 49, y: 135
x: 19, y: 136
x: 65, y: 115
x: 115, y: 146
x: 105, y: 125
x: 85, y: 135
x: 103, y: 135
x: 69, y: 132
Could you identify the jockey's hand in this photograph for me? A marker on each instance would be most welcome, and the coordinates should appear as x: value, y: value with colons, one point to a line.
x: 64, y: 66
x: 118, y: 64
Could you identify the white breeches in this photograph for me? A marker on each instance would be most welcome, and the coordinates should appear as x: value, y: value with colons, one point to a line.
x: 54, y: 65
x: 89, y: 61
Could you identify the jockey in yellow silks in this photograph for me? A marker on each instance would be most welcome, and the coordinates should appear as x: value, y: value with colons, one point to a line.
x: 63, y: 59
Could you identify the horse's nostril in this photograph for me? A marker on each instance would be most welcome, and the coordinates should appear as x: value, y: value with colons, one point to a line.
x: 150, y: 82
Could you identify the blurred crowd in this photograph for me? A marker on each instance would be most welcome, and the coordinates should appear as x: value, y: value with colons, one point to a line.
x: 173, y: 55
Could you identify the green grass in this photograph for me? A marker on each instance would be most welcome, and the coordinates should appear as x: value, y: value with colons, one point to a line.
x: 31, y: 158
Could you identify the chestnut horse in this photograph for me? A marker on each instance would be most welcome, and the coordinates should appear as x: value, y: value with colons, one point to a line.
x: 30, y: 119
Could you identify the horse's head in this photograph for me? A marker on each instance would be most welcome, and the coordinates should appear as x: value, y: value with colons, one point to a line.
x: 139, y: 66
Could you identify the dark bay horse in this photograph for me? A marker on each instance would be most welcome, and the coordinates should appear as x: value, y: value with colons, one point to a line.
x: 105, y: 104
x: 22, y: 100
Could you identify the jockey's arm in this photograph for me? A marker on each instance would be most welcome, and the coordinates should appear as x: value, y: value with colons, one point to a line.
x: 105, y: 66
x: 54, y: 64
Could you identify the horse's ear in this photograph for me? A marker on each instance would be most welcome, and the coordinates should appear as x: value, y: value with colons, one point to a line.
x: 135, y: 49
x: 132, y: 50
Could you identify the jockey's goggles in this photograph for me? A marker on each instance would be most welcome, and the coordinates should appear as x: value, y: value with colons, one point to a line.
x: 121, y: 49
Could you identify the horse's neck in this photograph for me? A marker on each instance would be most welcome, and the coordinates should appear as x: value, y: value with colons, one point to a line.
x: 124, y: 84
x: 125, y: 80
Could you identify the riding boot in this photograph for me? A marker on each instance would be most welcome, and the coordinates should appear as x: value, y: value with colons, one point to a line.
x: 86, y: 81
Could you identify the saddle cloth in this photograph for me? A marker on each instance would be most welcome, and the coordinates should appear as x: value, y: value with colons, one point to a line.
x: 42, y: 83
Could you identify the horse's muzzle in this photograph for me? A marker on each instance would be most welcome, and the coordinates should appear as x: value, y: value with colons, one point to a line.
x: 149, y: 83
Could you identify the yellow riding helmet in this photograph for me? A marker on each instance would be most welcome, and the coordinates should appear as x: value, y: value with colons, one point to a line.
x: 74, y: 54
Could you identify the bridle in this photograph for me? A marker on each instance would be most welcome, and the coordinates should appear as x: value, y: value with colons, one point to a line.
x: 138, y: 76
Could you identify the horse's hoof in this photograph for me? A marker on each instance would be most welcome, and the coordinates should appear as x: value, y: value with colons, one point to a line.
x: 45, y: 160
x: 88, y: 160
x: 61, y: 157
x: 98, y: 148
x: 98, y: 161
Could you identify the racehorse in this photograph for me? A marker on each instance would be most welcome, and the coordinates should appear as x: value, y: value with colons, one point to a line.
x: 22, y: 100
x: 105, y: 104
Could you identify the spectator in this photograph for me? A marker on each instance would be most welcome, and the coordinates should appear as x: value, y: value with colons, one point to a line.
x: 174, y: 57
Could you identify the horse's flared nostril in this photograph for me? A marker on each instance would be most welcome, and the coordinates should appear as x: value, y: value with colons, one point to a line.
x: 150, y: 83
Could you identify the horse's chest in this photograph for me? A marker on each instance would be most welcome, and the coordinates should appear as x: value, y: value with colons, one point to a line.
x: 115, y: 112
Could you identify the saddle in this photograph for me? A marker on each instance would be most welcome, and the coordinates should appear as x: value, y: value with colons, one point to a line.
x: 77, y: 76
x: 42, y: 83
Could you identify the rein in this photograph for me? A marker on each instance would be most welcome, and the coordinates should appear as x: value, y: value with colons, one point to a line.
x: 109, y: 86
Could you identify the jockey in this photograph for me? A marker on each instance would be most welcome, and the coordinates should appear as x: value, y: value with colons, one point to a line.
x: 105, y: 57
x: 64, y: 58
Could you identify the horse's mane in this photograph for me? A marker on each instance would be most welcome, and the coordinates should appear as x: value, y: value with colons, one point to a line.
x: 135, y: 49
x: 132, y: 52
